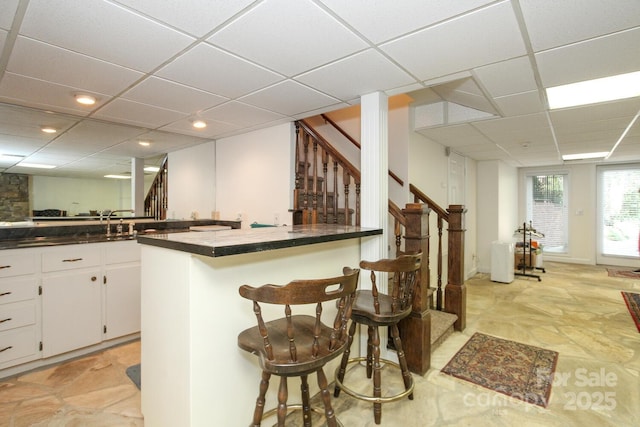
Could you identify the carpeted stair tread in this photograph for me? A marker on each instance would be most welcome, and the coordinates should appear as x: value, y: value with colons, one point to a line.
x: 441, y: 327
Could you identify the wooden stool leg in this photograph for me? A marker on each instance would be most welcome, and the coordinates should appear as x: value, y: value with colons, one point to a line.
x: 377, y: 387
x: 283, y: 393
x: 371, y: 332
x: 326, y: 399
x: 345, y: 358
x: 306, y: 407
x: 406, y: 375
x: 257, y: 413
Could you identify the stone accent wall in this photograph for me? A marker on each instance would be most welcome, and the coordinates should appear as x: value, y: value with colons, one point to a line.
x: 14, y: 197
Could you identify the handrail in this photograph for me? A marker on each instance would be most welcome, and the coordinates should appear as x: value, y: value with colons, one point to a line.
x: 396, y: 212
x: 353, y: 171
x: 344, y: 133
x: 420, y: 196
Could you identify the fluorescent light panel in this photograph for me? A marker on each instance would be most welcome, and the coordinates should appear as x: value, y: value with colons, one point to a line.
x: 118, y: 176
x: 605, y: 89
x: 151, y: 169
x: 584, y: 156
x: 35, y: 165
x: 10, y: 158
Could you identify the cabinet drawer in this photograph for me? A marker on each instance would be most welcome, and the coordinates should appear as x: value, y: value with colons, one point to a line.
x: 17, y: 290
x: 16, y: 265
x: 71, y: 257
x: 17, y: 344
x: 17, y: 315
x: 119, y: 252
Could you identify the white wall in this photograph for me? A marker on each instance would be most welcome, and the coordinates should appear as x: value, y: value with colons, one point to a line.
x: 254, y: 176
x: 192, y: 184
x: 582, y: 211
x: 80, y: 195
x: 497, y: 199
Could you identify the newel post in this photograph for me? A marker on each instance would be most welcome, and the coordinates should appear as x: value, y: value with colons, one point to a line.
x: 415, y: 330
x: 455, y: 293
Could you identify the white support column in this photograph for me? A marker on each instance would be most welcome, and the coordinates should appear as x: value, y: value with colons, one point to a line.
x: 374, y: 165
x: 137, y: 185
x: 374, y: 192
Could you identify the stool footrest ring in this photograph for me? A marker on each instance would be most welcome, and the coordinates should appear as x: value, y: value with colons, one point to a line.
x: 293, y: 408
x: 369, y: 398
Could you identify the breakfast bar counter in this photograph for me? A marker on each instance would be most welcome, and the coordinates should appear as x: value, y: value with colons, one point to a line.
x: 193, y: 373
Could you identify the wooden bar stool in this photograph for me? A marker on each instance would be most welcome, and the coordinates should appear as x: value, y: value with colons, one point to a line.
x: 299, y: 344
x: 375, y: 309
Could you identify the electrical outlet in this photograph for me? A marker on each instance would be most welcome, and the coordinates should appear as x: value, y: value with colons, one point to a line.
x: 276, y: 219
x: 239, y: 217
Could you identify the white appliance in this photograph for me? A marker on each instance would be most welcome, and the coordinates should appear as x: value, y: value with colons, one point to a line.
x: 502, y: 254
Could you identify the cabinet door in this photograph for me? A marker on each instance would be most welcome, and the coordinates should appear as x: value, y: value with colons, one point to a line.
x: 122, y: 301
x: 71, y: 311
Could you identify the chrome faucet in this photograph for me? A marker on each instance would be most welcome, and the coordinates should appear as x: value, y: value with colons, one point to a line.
x: 109, y: 219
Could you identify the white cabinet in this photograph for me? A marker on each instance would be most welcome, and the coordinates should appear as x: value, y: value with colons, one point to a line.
x: 121, y: 289
x: 19, y: 308
x: 71, y: 298
x: 61, y: 301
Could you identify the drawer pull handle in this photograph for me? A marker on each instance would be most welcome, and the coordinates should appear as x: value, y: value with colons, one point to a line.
x: 72, y: 260
x: 2, y: 267
x: 5, y: 320
x: 5, y: 293
x: 94, y: 278
x: 6, y: 348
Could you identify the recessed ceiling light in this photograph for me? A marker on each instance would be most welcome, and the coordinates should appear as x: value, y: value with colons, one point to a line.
x: 151, y: 169
x: 48, y: 129
x: 118, y: 176
x: 35, y: 165
x: 593, y: 91
x: 584, y: 156
x: 199, y: 124
x: 144, y: 143
x: 85, y: 99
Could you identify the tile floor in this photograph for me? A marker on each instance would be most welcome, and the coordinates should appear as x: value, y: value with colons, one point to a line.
x: 575, y: 310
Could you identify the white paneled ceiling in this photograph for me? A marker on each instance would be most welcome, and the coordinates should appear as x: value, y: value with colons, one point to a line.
x: 156, y: 66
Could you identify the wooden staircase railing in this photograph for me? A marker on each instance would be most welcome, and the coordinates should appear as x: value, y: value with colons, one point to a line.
x: 455, y: 295
x: 155, y: 203
x: 313, y: 203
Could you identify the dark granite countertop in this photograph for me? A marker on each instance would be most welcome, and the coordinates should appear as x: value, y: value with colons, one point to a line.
x: 18, y: 237
x: 234, y: 242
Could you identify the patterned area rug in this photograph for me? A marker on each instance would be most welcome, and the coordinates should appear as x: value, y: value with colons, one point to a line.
x: 633, y: 304
x: 629, y: 274
x: 517, y: 370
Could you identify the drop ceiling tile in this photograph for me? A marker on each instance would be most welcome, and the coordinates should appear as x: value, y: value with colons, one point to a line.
x: 362, y: 73
x: 213, y: 129
x: 7, y: 12
x: 282, y: 31
x: 210, y: 69
x: 383, y: 21
x: 137, y: 114
x: 3, y: 39
x: 520, y: 104
x: 240, y: 114
x: 489, y: 35
x: 46, y: 62
x: 455, y: 135
x: 98, y: 134
x: 197, y: 18
x: 553, y: 23
x: 28, y: 122
x: 507, y: 77
x: 616, y: 54
x: 289, y: 98
x: 19, y: 145
x: 172, y: 96
x: 594, y: 112
x: 513, y: 125
x: 96, y: 28
x: 36, y: 93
